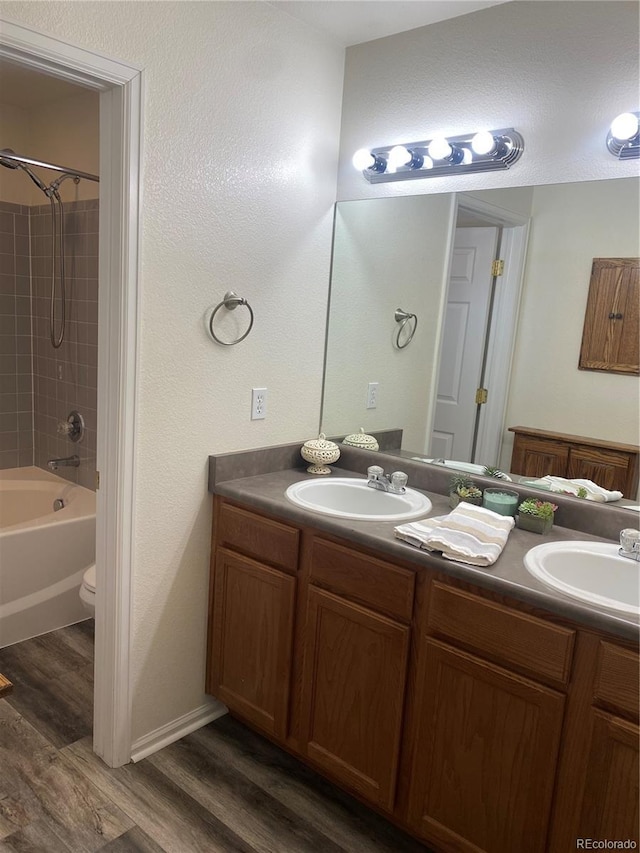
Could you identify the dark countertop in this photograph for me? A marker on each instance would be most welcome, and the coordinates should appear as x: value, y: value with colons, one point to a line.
x: 507, y: 576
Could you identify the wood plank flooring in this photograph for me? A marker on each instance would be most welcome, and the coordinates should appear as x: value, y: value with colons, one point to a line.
x: 222, y: 789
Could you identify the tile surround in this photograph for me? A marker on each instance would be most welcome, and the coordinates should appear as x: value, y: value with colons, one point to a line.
x: 40, y: 385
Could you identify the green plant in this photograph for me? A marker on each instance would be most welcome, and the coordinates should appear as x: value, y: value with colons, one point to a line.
x: 490, y: 471
x: 582, y: 492
x: 540, y: 509
x: 464, y: 488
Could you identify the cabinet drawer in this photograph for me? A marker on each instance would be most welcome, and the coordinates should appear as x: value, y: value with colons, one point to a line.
x: 501, y: 634
x: 250, y: 534
x: 374, y: 583
x: 617, y: 683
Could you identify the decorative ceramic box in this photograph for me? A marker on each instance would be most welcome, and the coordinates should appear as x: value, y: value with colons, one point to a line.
x: 320, y: 453
x: 361, y: 439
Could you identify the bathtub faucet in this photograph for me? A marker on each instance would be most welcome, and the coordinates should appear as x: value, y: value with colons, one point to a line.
x: 67, y: 462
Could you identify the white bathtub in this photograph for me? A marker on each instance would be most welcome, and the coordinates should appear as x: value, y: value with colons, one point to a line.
x: 43, y: 553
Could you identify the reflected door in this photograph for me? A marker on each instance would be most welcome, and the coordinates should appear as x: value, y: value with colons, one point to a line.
x: 465, y: 329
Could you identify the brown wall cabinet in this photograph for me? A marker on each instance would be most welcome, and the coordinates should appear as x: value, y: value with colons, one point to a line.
x: 469, y: 720
x: 611, y: 333
x: 611, y: 465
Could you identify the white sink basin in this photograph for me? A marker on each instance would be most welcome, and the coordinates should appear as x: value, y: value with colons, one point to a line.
x: 344, y: 497
x: 590, y: 571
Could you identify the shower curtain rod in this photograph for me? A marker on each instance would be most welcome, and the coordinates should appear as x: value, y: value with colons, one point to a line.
x: 31, y: 162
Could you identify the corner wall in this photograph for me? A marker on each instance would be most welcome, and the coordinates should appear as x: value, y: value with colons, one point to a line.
x: 241, y: 123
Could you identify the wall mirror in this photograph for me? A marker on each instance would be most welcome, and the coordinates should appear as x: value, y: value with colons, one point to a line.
x: 520, y: 339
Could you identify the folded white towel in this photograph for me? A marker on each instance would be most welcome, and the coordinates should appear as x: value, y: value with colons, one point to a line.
x: 469, y: 534
x: 594, y: 492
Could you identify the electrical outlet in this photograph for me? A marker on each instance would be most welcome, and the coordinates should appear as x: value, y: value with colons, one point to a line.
x: 372, y: 395
x: 258, y: 403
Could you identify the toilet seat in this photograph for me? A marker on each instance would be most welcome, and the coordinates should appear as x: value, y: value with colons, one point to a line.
x: 88, y: 590
x: 89, y: 578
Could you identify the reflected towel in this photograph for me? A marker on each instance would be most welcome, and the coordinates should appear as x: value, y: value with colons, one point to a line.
x: 559, y: 484
x: 469, y: 534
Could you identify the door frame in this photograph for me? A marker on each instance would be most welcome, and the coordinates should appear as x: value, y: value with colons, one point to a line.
x: 120, y: 88
x: 503, y: 321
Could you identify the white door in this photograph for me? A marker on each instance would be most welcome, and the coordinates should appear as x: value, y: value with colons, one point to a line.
x: 465, y: 327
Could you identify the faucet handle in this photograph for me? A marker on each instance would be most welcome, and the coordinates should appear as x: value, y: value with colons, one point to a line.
x: 399, y: 480
x: 374, y: 472
x: 630, y: 539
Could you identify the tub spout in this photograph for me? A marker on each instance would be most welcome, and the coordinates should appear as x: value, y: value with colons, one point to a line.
x: 66, y: 462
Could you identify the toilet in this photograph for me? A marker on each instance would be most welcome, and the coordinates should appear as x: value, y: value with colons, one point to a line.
x: 88, y: 590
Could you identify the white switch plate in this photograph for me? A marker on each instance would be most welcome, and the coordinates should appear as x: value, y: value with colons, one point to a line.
x: 258, y: 404
x: 372, y: 395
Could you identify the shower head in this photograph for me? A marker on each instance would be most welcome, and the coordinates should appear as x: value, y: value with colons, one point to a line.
x: 13, y: 164
x: 9, y: 164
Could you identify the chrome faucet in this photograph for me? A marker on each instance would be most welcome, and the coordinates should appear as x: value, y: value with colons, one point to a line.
x: 630, y: 544
x: 394, y: 483
x: 66, y: 462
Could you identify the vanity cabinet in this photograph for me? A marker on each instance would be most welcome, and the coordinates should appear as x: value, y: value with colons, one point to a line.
x: 252, y: 610
x: 598, y: 782
x: 487, y: 727
x: 611, y: 465
x: 356, y: 648
x: 471, y: 720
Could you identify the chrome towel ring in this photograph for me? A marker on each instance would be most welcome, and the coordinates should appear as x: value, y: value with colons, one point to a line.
x: 404, y: 317
x: 230, y: 301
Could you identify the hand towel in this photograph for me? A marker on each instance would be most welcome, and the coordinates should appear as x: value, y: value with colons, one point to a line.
x: 469, y: 534
x: 559, y: 484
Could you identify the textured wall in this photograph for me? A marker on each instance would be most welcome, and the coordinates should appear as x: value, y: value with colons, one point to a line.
x: 241, y: 123
x: 558, y: 72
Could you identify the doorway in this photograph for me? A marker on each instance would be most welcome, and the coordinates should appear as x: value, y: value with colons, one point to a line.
x: 119, y: 88
x: 479, y: 332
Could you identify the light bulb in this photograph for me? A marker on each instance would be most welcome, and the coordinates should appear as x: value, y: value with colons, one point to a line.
x: 467, y: 156
x: 439, y: 148
x: 427, y: 163
x: 625, y: 126
x: 363, y: 159
x: 483, y: 142
x: 399, y: 156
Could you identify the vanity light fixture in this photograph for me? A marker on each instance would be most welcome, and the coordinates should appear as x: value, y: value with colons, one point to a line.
x: 483, y: 151
x: 623, y: 139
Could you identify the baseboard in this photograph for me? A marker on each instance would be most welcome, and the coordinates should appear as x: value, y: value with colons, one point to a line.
x: 173, y: 731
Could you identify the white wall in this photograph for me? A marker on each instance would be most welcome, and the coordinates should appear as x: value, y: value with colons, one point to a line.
x: 571, y: 224
x: 558, y: 72
x: 386, y: 256
x: 241, y: 124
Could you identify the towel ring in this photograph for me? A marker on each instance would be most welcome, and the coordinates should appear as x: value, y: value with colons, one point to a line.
x: 230, y: 302
x: 404, y: 317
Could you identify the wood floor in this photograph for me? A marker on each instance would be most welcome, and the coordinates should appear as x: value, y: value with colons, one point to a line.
x: 222, y: 788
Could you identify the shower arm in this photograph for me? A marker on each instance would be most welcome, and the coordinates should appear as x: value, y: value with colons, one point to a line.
x: 73, y: 173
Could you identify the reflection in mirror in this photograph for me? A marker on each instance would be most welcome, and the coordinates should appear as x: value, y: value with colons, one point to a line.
x: 393, y: 252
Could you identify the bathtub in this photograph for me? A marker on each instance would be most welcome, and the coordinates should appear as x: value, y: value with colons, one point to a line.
x: 43, y: 553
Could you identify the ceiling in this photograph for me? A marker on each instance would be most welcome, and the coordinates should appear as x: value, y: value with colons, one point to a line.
x: 351, y: 22
x: 347, y: 22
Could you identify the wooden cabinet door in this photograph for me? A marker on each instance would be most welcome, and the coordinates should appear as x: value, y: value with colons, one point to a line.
x: 533, y: 457
x: 253, y: 611
x: 484, y: 756
x: 610, y: 802
x: 604, y: 467
x: 610, y: 338
x: 353, y: 694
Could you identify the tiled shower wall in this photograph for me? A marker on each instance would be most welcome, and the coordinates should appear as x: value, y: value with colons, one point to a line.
x: 16, y: 380
x: 65, y: 379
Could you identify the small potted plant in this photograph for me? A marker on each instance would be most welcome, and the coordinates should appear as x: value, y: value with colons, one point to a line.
x: 535, y: 515
x: 463, y: 489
